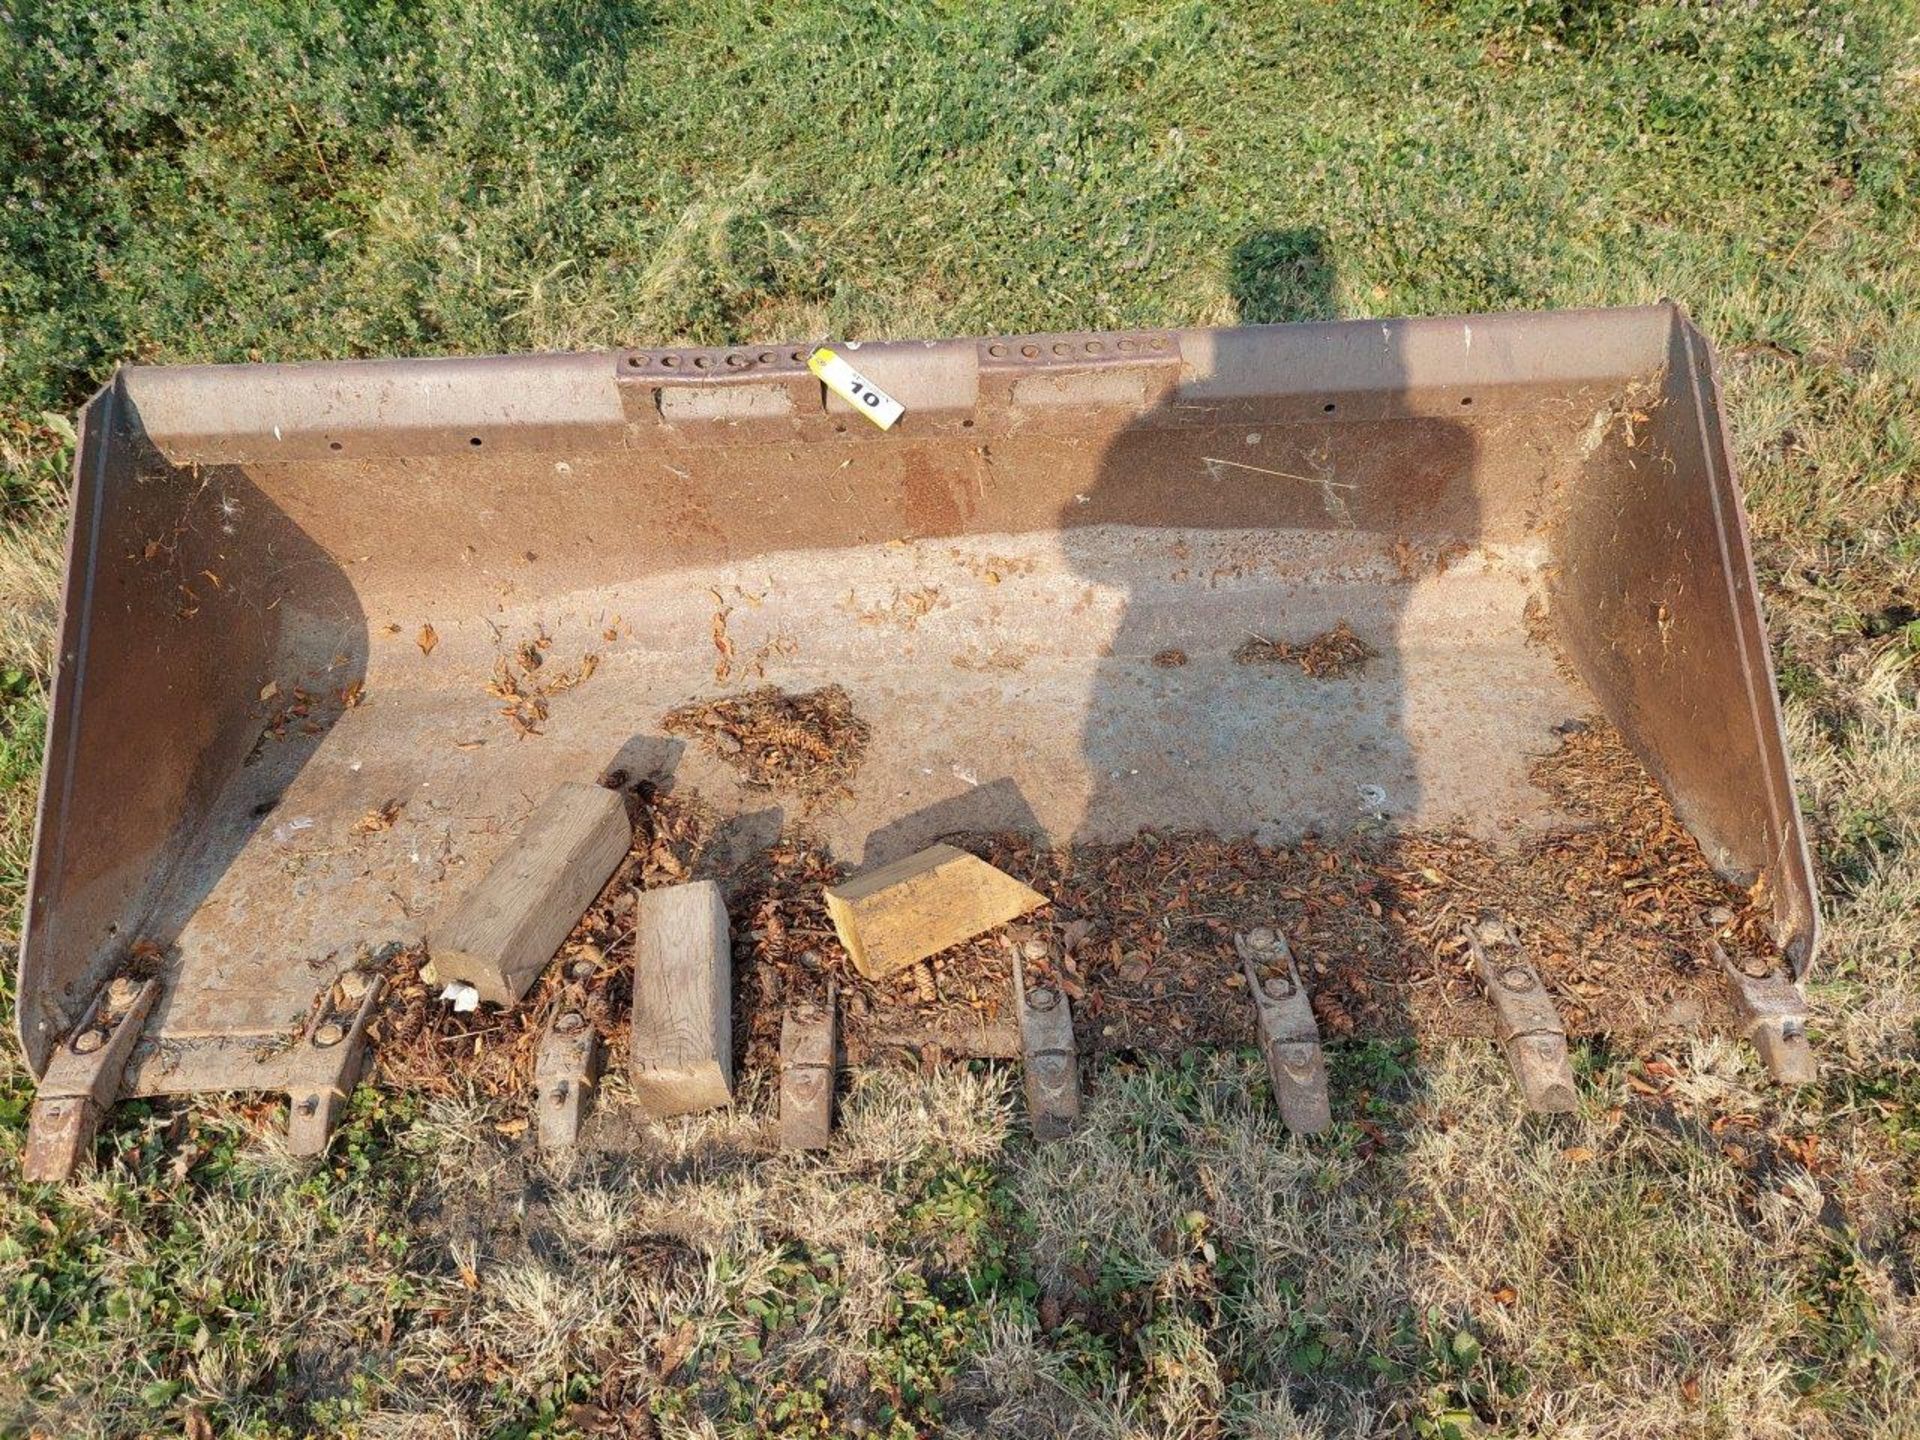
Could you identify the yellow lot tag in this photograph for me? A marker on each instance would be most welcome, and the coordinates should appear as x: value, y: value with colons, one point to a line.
x: 854, y: 388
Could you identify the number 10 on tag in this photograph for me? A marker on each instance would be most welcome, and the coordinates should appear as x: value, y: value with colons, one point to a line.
x: 854, y: 388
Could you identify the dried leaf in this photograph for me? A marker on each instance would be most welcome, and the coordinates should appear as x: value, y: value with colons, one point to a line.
x: 427, y: 639
x: 382, y: 818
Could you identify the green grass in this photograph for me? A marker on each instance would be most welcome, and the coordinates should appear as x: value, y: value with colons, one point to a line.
x: 227, y: 180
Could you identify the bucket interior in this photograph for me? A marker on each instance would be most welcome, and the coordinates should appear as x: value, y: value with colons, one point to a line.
x: 1050, y: 612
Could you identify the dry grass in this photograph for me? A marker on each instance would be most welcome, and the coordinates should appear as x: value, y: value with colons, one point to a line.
x: 31, y: 551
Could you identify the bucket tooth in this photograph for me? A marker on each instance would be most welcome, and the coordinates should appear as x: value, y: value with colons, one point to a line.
x: 326, y: 1063
x: 82, y: 1079
x: 1530, y: 1028
x: 566, y: 1073
x: 1052, y: 1061
x: 1289, y: 1035
x: 809, y: 1044
x: 1773, y: 1013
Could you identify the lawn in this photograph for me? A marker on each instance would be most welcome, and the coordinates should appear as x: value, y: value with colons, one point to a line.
x: 1693, y: 1254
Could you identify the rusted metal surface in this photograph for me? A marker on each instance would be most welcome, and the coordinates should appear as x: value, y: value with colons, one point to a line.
x: 246, y: 673
x: 1289, y: 1035
x: 1656, y: 603
x: 323, y: 1067
x: 566, y: 1073
x: 809, y: 1046
x: 1051, y: 1058
x: 1529, y: 1026
x: 1773, y: 1010
x: 82, y: 1079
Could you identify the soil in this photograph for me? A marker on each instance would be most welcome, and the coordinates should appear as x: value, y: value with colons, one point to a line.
x: 1616, y: 912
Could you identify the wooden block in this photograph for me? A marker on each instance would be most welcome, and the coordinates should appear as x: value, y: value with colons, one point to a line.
x: 682, y: 1057
x: 808, y: 1046
x: 501, y: 934
x: 916, y: 907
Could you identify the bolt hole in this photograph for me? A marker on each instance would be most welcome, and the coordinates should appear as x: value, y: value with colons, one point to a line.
x: 1029, y: 351
x: 703, y: 362
x: 1466, y: 399
x: 767, y: 357
x: 1158, y: 344
x: 996, y: 350
x: 475, y: 440
x: 799, y: 355
x: 1094, y: 347
x: 1062, y: 348
x: 1127, y: 346
x: 1329, y: 407
x: 636, y: 361
x: 335, y: 445
x: 966, y: 424
x: 670, y: 361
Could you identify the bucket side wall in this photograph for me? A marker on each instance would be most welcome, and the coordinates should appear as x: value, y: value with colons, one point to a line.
x: 1656, y: 603
x: 168, y: 617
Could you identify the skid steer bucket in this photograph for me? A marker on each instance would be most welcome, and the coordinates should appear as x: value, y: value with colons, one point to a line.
x: 1069, y: 593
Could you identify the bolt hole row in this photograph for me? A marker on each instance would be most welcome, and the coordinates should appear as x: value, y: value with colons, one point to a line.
x: 1126, y: 345
x: 733, y: 359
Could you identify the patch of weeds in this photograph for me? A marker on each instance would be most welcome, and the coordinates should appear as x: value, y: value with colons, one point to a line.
x: 1375, y: 1067
x: 189, y: 1272
x: 1457, y: 1386
x: 549, y: 1415
x: 23, y: 722
x: 365, y: 1152
x: 1890, y: 1094
x: 1372, y: 1081
x: 980, y: 1267
x: 963, y: 1255
x: 1858, y: 839
x: 1799, y: 681
x: 1841, y: 1337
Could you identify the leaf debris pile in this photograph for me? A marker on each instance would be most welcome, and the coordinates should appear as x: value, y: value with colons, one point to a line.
x: 423, y: 1044
x: 809, y: 745
x: 786, y: 952
x: 1329, y: 656
x: 525, y: 681
x: 1614, y: 911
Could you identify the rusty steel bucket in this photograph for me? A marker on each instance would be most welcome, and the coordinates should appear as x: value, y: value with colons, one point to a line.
x: 289, y: 587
